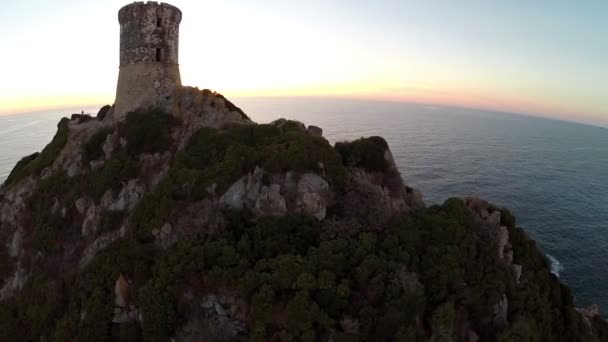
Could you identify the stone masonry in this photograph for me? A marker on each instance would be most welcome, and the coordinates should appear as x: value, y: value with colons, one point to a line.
x: 149, y: 69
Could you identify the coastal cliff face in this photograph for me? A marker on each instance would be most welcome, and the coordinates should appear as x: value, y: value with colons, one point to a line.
x: 196, y: 223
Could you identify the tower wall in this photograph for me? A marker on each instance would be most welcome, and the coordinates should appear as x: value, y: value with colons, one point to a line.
x: 149, y: 69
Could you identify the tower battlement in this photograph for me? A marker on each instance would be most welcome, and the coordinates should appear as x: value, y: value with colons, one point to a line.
x: 149, y: 49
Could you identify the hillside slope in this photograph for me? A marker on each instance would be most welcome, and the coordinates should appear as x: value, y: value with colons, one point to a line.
x: 200, y: 225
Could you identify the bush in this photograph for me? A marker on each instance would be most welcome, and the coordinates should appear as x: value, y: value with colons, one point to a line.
x: 93, y: 148
x: 220, y: 158
x: 103, y: 111
x: 148, y: 131
x: 114, y: 172
x: 367, y: 153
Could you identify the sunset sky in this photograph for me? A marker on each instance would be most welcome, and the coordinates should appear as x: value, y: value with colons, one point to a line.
x: 539, y: 57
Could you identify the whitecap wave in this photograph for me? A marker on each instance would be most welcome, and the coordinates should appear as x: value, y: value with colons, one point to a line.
x: 556, y: 267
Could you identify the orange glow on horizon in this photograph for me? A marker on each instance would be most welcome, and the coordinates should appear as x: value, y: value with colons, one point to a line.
x: 362, y: 91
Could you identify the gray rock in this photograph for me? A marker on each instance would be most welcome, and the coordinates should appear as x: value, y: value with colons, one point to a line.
x: 89, y: 224
x: 502, y: 240
x: 110, y: 143
x: 310, y: 182
x: 484, y: 213
x: 96, y: 164
x: 128, y: 196
x: 312, y: 204
x: 253, y: 186
x: 291, y: 184
x: 270, y: 202
x: 494, y: 219
x: 209, y: 302
x: 315, y: 131
x: 219, y: 309
x: 15, y: 246
x: 499, y: 319
x: 166, y: 229
x: 14, y: 284
x: 517, y: 269
x: 234, y: 196
x: 73, y: 170
x: 313, y: 195
x: 81, y: 205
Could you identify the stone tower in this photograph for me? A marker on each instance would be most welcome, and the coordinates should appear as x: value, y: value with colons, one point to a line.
x: 149, y: 69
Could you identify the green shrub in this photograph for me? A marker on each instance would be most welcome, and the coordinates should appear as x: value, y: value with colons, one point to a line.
x: 31, y: 314
x: 93, y: 148
x: 367, y: 153
x: 103, y: 111
x: 6, y: 266
x: 220, y: 158
x: 110, y: 220
x: 148, y: 131
x: 114, y: 172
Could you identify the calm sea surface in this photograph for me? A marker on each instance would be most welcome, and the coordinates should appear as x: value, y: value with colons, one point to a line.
x: 552, y: 175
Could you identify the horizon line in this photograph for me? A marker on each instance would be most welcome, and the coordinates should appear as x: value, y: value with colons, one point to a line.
x: 523, y: 113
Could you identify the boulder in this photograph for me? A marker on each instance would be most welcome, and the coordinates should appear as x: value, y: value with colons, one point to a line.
x: 16, y: 241
x: 121, y: 291
x: 110, y: 144
x: 500, y: 311
x: 313, y: 195
x: 315, y: 131
x: 233, y: 198
x: 81, y: 205
x: 128, y: 196
x: 517, y: 270
x: 270, y: 202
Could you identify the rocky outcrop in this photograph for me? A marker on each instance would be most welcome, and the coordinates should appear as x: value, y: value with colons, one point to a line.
x: 124, y: 311
x: 489, y: 219
x: 492, y: 230
x: 306, y: 193
x: 377, y: 196
x: 203, y: 108
x: 98, y: 206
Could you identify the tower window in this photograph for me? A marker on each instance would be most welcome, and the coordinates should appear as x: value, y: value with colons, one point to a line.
x: 159, y: 22
x: 159, y: 54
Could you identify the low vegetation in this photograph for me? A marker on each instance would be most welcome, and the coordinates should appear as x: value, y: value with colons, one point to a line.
x: 367, y: 153
x: 213, y: 160
x: 427, y: 275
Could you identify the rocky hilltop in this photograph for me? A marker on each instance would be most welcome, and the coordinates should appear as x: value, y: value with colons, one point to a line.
x: 198, y: 224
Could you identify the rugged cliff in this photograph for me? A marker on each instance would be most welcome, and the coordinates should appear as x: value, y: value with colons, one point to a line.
x: 200, y: 225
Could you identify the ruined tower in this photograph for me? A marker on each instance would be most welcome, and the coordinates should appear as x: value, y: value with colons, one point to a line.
x: 149, y: 69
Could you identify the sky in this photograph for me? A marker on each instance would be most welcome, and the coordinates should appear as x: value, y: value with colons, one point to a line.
x: 547, y: 58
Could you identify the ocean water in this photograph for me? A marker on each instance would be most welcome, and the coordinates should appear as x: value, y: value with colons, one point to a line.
x: 552, y: 175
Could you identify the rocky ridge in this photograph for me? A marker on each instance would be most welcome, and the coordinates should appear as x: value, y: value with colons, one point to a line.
x: 200, y: 222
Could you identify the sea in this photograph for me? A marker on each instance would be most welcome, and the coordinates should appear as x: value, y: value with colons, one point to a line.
x: 552, y: 175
